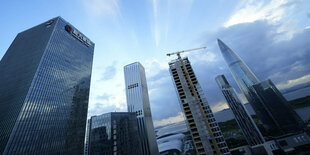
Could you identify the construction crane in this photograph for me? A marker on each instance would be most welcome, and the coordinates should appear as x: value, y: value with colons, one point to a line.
x: 192, y: 88
x: 179, y: 52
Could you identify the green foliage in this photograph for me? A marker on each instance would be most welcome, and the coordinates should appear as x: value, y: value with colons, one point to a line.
x: 232, y: 133
x: 234, y: 142
x: 228, y: 125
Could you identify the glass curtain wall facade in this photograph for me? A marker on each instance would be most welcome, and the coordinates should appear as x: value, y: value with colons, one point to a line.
x: 206, y: 139
x: 44, y: 90
x: 138, y: 102
x: 271, y: 114
x: 281, y: 112
x: 114, y: 133
x: 243, y: 119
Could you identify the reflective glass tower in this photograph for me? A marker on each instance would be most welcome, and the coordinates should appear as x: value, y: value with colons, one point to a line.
x: 243, y: 119
x: 240, y: 71
x: 270, y: 106
x: 113, y: 133
x: 138, y: 102
x: 44, y: 90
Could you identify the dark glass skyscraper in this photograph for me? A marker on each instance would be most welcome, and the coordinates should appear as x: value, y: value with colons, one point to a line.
x: 285, y: 118
x: 243, y: 119
x: 114, y: 133
x: 44, y: 90
x: 269, y: 104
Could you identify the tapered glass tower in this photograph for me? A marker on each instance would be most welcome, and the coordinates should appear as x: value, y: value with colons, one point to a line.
x: 243, y: 119
x: 44, y: 90
x: 240, y: 71
x: 270, y: 106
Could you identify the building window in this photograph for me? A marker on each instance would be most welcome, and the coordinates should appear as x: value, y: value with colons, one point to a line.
x: 133, y: 86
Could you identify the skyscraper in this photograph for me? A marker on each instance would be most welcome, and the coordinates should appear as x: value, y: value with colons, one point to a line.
x: 244, y: 120
x: 114, y: 133
x: 205, y: 132
x: 44, y: 90
x: 138, y: 102
x: 280, y: 111
x: 270, y: 106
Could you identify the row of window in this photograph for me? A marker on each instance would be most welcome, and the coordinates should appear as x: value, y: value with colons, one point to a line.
x: 133, y: 86
x: 139, y: 112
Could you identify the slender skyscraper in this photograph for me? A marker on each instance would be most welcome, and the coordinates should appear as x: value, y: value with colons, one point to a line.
x: 205, y: 132
x: 44, y: 90
x: 138, y: 102
x: 269, y: 104
x: 244, y: 120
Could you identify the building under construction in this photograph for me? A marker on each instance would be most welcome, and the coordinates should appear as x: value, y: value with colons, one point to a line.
x: 206, y: 134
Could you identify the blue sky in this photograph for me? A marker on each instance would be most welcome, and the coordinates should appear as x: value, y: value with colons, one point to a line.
x: 271, y: 36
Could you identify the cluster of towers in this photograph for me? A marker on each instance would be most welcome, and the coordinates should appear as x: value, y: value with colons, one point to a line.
x: 278, y: 118
x: 44, y: 92
x: 272, y: 109
x: 129, y: 132
x: 270, y: 106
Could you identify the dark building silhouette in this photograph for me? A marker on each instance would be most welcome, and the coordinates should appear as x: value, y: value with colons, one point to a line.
x: 44, y: 90
x: 114, y: 133
x: 270, y: 106
x: 281, y: 113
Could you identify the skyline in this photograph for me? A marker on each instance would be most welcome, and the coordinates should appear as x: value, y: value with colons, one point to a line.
x: 274, y: 30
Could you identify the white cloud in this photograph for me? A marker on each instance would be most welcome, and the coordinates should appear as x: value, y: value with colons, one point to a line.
x: 204, y: 56
x: 277, y: 12
x: 251, y: 11
x: 219, y: 106
x: 153, y: 66
x: 107, y: 95
x: 294, y: 82
x: 101, y: 8
x: 112, y: 102
x: 170, y: 120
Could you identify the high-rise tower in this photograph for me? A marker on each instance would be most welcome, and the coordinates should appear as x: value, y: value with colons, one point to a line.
x: 113, y: 133
x: 44, y: 90
x: 205, y: 132
x: 138, y: 102
x: 270, y: 106
x: 243, y: 119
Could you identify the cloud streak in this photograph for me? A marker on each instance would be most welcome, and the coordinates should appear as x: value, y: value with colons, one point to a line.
x: 167, y: 14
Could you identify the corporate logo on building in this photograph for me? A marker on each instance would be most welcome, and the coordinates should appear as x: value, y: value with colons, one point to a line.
x: 77, y: 35
x: 68, y: 28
